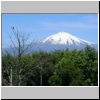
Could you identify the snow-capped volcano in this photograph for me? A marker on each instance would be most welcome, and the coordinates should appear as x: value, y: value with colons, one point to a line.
x: 59, y: 41
x: 64, y: 38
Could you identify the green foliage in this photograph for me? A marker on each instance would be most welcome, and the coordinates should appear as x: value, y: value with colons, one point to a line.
x: 55, y: 80
x: 59, y: 68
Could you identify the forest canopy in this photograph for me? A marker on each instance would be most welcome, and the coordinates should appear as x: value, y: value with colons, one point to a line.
x: 58, y: 68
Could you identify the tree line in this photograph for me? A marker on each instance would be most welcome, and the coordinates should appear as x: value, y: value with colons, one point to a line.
x: 58, y: 68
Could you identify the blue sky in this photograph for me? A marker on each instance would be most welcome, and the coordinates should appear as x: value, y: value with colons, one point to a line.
x: 84, y: 26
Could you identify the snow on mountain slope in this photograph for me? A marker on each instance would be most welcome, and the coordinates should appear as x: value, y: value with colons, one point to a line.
x: 58, y: 41
x: 64, y: 38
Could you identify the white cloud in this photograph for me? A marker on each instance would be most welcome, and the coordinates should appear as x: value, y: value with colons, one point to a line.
x: 91, y: 19
x: 71, y: 25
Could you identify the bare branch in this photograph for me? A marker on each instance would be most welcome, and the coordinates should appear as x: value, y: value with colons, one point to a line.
x: 12, y: 41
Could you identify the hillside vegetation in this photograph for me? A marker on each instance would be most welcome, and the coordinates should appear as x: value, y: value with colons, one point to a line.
x: 58, y: 68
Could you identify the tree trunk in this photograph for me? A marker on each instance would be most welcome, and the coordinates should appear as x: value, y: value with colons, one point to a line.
x: 11, y: 76
x: 19, y: 75
x: 19, y: 70
x: 19, y: 78
x: 41, y: 75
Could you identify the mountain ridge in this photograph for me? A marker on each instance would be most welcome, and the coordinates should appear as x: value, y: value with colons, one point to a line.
x: 58, y: 41
x: 65, y: 38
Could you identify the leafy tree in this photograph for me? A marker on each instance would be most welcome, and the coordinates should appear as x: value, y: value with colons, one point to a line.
x: 58, y: 68
x: 55, y: 80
